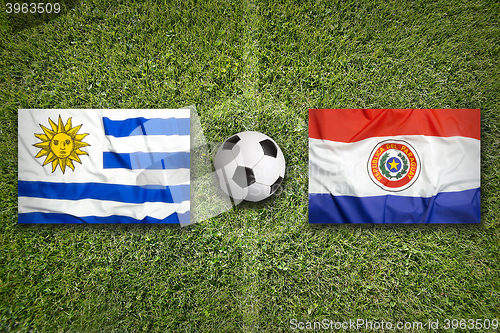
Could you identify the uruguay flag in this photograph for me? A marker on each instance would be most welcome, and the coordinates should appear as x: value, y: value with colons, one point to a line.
x: 104, y: 166
x: 394, y: 166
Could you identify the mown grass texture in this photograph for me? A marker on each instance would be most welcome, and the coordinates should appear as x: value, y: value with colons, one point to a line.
x: 250, y: 65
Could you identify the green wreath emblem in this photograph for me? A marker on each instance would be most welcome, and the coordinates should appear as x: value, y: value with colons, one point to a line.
x: 386, y: 173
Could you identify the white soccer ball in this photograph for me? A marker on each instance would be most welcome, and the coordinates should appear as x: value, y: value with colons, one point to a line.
x: 250, y: 166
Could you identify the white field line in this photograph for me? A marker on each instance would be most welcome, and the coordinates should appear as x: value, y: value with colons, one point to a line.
x: 249, y: 301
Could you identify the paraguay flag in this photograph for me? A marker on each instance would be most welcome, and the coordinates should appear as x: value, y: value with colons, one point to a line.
x: 394, y: 166
x: 104, y: 166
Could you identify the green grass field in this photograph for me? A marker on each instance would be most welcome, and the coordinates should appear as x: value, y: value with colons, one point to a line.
x: 249, y: 65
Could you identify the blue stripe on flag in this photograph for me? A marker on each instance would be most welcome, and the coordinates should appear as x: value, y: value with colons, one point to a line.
x: 445, y: 207
x: 102, y: 191
x: 144, y: 160
x: 65, y: 218
x: 143, y: 126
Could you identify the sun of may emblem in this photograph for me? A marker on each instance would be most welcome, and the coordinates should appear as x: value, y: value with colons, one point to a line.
x: 394, y: 165
x: 61, y: 144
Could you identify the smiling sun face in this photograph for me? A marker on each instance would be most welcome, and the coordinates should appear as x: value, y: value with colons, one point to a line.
x: 61, y: 144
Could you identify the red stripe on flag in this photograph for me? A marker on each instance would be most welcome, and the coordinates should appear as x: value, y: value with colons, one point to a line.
x: 350, y: 125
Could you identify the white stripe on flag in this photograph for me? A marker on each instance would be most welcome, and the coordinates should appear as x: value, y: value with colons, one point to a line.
x: 147, y: 143
x: 122, y: 114
x: 448, y: 164
x: 91, y: 207
x: 116, y: 176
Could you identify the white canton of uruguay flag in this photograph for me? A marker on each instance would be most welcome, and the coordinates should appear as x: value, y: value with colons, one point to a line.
x: 104, y: 166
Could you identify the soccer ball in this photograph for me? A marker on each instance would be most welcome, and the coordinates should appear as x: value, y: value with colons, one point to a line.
x: 250, y: 166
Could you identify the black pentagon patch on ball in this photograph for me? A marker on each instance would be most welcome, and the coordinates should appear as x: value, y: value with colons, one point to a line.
x: 276, y: 184
x: 229, y: 144
x: 243, y: 176
x: 269, y: 148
